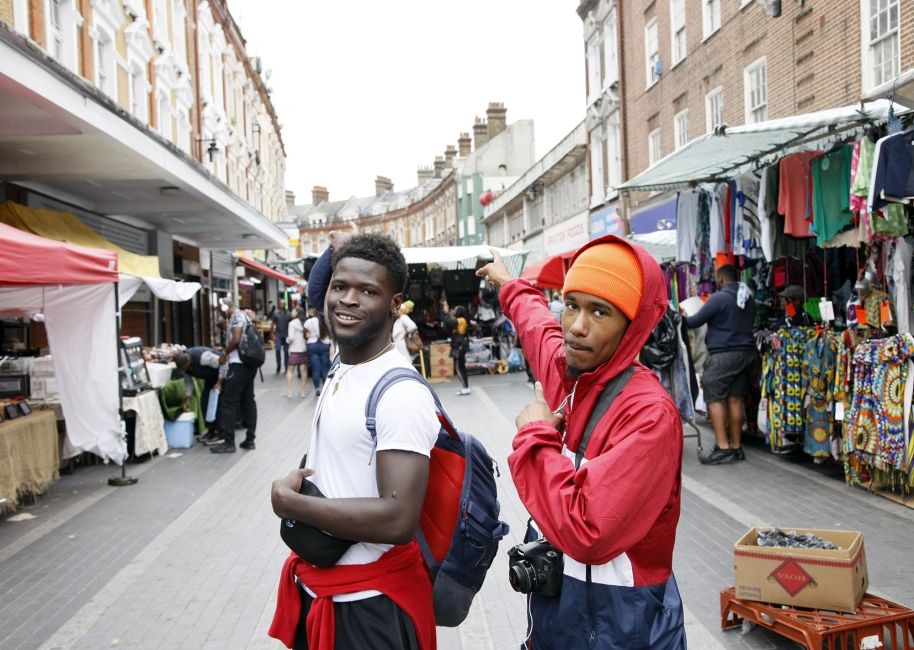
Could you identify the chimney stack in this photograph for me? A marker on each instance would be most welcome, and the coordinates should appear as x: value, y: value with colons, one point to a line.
x: 439, y: 166
x: 290, y: 198
x: 424, y: 174
x: 464, y: 144
x: 382, y: 184
x: 497, y: 118
x: 480, y: 134
x: 319, y: 194
x: 449, y: 153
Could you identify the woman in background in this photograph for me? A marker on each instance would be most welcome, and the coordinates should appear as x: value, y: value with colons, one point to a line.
x: 297, y: 352
x: 460, y: 343
x: 318, y: 339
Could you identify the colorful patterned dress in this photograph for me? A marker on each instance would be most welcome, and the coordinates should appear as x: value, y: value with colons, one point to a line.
x: 820, y: 366
x: 876, y: 437
x: 783, y: 384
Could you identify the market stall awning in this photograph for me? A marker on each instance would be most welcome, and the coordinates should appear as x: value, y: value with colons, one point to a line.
x: 463, y: 257
x: 550, y: 272
x: 266, y: 270
x: 719, y: 156
x: 65, y: 227
x: 27, y: 259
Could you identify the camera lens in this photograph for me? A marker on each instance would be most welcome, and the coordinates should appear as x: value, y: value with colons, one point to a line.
x: 522, y: 577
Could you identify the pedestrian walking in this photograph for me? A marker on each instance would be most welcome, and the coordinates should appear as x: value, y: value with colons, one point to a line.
x: 298, y: 352
x: 460, y: 344
x: 281, y: 319
x: 588, y: 496
x: 727, y: 378
x: 378, y: 593
x: 318, y: 337
x: 238, y: 386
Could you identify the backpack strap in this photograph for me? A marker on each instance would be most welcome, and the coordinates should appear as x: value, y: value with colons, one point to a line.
x: 388, y: 379
x: 607, y: 396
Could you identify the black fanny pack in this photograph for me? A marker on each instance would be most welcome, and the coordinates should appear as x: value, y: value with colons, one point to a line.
x: 312, y: 544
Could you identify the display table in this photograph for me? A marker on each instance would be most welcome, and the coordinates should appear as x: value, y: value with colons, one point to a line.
x: 150, y: 423
x: 28, y: 457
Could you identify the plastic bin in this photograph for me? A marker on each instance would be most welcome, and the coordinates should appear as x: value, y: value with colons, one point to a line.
x: 180, y: 433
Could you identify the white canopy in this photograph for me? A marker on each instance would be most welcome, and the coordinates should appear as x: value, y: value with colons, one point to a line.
x: 463, y: 257
x: 164, y: 289
x: 719, y: 156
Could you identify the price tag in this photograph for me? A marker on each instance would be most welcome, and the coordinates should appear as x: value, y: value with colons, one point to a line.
x: 827, y: 310
x: 861, y: 315
x: 839, y: 411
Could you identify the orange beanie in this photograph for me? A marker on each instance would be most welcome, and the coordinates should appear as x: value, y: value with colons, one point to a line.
x: 610, y: 271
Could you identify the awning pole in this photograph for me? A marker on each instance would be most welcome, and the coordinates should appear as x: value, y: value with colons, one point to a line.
x: 123, y: 479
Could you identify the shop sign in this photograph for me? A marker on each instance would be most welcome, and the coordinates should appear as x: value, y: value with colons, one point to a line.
x: 605, y: 221
x: 569, y: 235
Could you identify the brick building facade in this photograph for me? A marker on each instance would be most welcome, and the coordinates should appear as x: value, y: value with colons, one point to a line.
x: 684, y: 66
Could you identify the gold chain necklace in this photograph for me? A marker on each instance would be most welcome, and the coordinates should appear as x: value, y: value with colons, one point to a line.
x: 339, y: 381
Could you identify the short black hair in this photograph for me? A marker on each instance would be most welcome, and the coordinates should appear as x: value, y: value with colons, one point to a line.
x: 728, y: 272
x: 182, y: 360
x: 379, y: 249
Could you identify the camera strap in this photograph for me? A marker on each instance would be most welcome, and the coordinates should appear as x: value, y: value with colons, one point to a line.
x: 607, y: 396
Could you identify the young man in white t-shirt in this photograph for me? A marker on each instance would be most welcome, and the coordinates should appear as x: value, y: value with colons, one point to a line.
x: 380, y: 590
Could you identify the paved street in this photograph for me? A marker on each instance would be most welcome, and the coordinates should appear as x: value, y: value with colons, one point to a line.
x: 189, y: 557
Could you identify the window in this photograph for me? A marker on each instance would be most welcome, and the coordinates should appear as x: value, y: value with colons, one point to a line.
x: 651, y: 52
x: 678, y: 24
x: 597, y: 192
x: 163, y: 114
x: 880, y: 41
x: 610, y: 53
x: 21, y: 16
x: 179, y: 34
x: 710, y: 13
x: 681, y: 128
x: 755, y: 82
x: 653, y: 146
x: 139, y: 96
x: 594, y: 71
x: 613, y: 151
x: 714, y: 109
x: 104, y: 63
x: 55, y: 24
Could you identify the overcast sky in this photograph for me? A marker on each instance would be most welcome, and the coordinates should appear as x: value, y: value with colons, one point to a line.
x: 372, y: 87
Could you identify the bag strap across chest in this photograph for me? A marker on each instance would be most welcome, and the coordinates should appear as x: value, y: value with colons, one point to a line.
x: 607, y: 396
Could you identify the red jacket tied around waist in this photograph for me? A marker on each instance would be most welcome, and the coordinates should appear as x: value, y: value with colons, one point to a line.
x: 400, y: 574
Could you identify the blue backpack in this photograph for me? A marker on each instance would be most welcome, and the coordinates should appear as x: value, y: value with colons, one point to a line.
x: 459, y: 529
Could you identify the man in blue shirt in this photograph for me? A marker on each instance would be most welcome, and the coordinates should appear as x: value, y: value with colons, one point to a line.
x: 727, y: 378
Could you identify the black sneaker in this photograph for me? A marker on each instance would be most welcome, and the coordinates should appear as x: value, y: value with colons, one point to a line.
x: 738, y: 453
x: 717, y: 456
x: 248, y: 444
x: 210, y: 438
x: 223, y: 448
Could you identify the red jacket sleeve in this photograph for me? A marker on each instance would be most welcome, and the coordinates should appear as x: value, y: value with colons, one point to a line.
x: 540, y: 335
x: 613, y: 500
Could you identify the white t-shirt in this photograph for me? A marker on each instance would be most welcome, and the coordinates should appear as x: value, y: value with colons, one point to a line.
x: 313, y: 331
x: 296, y: 338
x: 238, y: 319
x: 342, y: 453
x: 402, y: 326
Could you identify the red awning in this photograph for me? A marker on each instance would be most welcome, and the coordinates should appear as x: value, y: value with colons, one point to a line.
x: 27, y: 259
x: 266, y: 270
x: 550, y: 272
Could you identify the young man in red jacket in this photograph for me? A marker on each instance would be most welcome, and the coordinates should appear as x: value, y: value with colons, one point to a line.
x: 614, y: 518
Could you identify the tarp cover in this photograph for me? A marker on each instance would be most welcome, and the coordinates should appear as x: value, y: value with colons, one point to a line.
x: 716, y: 157
x: 550, y: 272
x: 80, y: 321
x: 27, y: 259
x: 65, y: 227
x: 463, y: 257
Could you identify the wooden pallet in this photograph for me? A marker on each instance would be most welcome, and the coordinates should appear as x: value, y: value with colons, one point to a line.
x: 876, y: 618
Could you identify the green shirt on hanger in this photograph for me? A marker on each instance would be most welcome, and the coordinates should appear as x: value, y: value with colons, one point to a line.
x: 831, y: 184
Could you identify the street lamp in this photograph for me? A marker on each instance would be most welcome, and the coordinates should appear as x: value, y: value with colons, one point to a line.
x: 212, y: 149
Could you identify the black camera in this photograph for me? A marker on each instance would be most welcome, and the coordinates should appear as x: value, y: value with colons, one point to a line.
x: 536, y: 567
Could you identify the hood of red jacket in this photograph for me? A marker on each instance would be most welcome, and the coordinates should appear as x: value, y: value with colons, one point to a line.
x: 653, y: 305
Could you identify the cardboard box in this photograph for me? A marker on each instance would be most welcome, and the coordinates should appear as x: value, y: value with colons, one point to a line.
x: 800, y: 577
